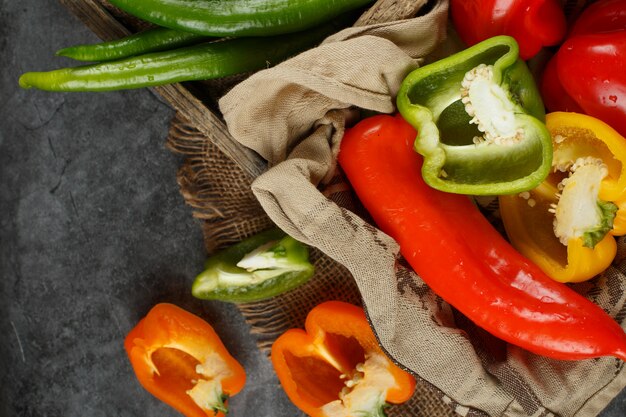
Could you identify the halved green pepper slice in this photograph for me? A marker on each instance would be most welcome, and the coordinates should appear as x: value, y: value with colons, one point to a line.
x: 480, y: 121
x: 259, y: 267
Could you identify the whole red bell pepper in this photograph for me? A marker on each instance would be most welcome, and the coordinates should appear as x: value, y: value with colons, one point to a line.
x: 588, y: 72
x: 533, y: 23
x: 461, y: 256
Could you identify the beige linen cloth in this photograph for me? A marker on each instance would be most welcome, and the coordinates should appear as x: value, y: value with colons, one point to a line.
x: 294, y: 116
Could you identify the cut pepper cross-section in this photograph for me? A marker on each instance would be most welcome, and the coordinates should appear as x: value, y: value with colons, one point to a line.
x: 335, y: 368
x: 179, y: 359
x: 259, y: 267
x: 479, y: 118
x: 566, y: 225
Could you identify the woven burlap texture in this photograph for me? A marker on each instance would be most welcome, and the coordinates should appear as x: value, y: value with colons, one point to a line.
x: 294, y: 115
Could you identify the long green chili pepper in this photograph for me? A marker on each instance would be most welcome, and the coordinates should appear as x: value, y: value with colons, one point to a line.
x: 238, y: 17
x: 199, y: 62
x: 151, y: 40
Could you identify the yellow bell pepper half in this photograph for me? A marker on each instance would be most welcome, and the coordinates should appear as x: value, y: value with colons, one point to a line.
x: 566, y: 225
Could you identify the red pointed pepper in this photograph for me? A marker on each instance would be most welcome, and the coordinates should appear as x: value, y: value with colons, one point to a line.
x: 533, y: 23
x: 459, y: 254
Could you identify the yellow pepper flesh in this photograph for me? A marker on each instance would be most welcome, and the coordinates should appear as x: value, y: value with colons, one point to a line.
x: 528, y: 217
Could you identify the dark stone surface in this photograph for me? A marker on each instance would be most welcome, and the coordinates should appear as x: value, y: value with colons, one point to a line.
x: 93, y: 232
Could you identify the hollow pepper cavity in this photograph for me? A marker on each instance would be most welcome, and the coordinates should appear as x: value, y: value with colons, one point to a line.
x: 533, y: 23
x: 566, y: 225
x: 236, y: 18
x: 180, y: 359
x: 479, y: 118
x: 461, y: 256
x: 335, y: 368
x: 588, y: 72
x: 259, y: 267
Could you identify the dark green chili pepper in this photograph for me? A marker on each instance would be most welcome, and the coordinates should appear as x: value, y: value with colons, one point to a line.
x: 260, y: 267
x: 238, y: 17
x: 199, y: 62
x: 151, y: 40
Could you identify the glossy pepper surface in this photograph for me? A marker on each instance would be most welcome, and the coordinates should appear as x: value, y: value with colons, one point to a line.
x: 588, y: 72
x: 238, y: 18
x: 198, y: 62
x: 335, y: 368
x: 462, y: 258
x: 259, y: 267
x: 566, y: 225
x: 151, y: 40
x: 179, y: 359
x: 533, y: 23
x: 479, y: 118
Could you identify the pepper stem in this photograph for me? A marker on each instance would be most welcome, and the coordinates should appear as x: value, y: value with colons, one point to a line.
x: 221, y: 405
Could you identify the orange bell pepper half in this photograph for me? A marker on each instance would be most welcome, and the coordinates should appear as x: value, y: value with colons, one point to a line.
x: 336, y: 367
x: 179, y: 359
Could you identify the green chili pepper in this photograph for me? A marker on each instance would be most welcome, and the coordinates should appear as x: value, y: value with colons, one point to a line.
x: 199, y: 62
x: 479, y: 118
x: 238, y: 17
x: 260, y: 267
x: 151, y: 40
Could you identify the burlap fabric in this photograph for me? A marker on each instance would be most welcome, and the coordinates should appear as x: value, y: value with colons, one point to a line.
x: 294, y: 116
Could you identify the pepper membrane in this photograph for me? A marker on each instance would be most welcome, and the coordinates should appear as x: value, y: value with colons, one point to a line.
x: 462, y: 258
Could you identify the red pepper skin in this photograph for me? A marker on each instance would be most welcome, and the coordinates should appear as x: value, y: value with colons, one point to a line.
x: 552, y: 91
x: 588, y: 73
x: 592, y: 70
x: 533, y: 23
x: 600, y: 17
x: 463, y: 259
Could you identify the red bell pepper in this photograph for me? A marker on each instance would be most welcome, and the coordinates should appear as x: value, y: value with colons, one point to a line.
x: 179, y: 359
x: 588, y: 73
x: 533, y: 23
x: 461, y: 256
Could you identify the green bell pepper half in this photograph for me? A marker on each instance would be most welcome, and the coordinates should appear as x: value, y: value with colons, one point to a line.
x: 480, y: 121
x: 259, y: 267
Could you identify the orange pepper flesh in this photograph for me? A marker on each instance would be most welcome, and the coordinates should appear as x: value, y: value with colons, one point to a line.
x: 166, y: 349
x: 313, y: 364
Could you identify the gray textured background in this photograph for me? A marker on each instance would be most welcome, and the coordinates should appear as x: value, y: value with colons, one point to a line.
x: 93, y: 232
